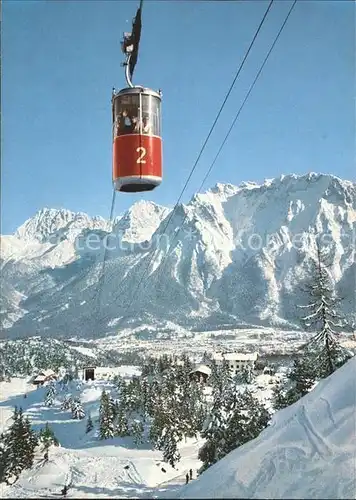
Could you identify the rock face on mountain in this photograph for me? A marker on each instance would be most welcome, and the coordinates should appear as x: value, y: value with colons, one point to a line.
x: 233, y: 255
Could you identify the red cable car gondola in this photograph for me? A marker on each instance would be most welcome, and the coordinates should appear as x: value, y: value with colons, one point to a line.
x: 137, y: 143
x: 136, y: 114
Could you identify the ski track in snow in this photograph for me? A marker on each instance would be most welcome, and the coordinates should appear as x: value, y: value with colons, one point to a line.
x: 329, y: 411
x: 318, y: 443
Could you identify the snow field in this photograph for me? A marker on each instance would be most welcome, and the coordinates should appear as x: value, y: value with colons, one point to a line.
x: 111, y: 468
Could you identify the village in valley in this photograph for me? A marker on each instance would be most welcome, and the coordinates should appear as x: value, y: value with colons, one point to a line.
x: 238, y: 364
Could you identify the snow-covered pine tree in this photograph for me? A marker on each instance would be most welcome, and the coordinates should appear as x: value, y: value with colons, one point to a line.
x: 120, y: 384
x: 247, y: 375
x: 225, y: 375
x: 150, y: 367
x: 4, y: 459
x: 221, y: 378
x: 164, y: 362
x: 136, y: 431
x: 106, y: 418
x: 89, y: 425
x: 47, y: 438
x: 67, y: 402
x: 12, y: 439
x: 30, y: 440
x: 214, y: 376
x: 302, y: 374
x: 157, y: 427
x: 300, y: 381
x: 280, y: 397
x: 213, y: 431
x: 68, y: 377
x: 191, y: 408
x: 245, y: 423
x: 20, y: 442
x: 77, y: 409
x: 145, y: 395
x: 323, y: 317
x: 2, y: 372
x: 169, y: 447
x: 121, y: 426
x: 187, y: 363
x: 50, y: 394
x: 113, y: 406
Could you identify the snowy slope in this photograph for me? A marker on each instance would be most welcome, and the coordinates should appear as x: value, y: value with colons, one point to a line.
x: 234, y: 255
x: 309, y: 451
x: 112, y: 468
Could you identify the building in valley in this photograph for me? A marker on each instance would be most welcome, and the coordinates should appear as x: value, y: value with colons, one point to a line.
x: 236, y: 361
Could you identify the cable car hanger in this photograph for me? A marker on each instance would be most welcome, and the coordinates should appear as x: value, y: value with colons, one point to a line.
x: 130, y: 45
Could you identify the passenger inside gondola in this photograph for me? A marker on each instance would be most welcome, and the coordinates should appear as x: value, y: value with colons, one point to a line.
x: 146, y: 126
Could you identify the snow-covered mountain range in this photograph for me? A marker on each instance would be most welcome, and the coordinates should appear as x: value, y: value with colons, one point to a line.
x: 235, y: 255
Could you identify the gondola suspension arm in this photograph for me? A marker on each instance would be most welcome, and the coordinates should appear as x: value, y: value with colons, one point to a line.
x: 127, y: 72
x: 130, y: 45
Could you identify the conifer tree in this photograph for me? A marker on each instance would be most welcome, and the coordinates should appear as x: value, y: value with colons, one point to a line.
x: 90, y: 425
x: 77, y: 409
x: 170, y: 448
x: 245, y: 423
x: 213, y: 431
x: 136, y: 431
x: 246, y: 375
x: 47, y: 438
x: 282, y: 397
x: 2, y: 372
x: 221, y: 377
x: 121, y: 421
x: 4, y: 459
x: 302, y: 374
x: 324, y: 318
x: 157, y: 427
x: 20, y: 443
x: 300, y: 381
x: 214, y: 376
x: 106, y: 418
x: 49, y: 398
x: 67, y: 403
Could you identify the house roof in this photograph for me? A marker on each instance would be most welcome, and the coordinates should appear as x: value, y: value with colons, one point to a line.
x: 236, y: 356
x: 40, y: 378
x: 47, y: 373
x: 201, y: 369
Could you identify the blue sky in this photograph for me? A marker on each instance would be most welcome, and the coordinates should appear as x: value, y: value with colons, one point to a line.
x: 60, y: 60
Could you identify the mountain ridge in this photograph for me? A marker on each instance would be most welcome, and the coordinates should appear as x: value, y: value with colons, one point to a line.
x: 234, y: 253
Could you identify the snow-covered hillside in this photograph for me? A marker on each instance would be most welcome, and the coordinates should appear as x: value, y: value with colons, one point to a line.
x: 110, y: 468
x: 308, y: 451
x: 235, y: 255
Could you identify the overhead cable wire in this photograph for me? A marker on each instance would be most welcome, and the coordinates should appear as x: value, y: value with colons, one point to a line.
x: 247, y: 96
x: 206, y: 141
x: 101, y: 278
x: 242, y: 106
x: 237, y: 115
